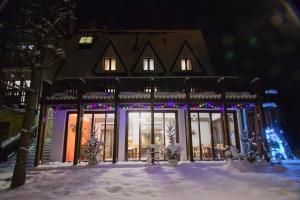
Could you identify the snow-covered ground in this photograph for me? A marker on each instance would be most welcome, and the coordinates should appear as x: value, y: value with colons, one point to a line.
x: 200, y: 180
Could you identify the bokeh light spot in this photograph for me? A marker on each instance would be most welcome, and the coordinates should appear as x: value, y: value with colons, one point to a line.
x: 276, y: 20
x: 229, y: 55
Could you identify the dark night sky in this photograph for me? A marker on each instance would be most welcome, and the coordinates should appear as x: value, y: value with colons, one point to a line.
x: 248, y: 38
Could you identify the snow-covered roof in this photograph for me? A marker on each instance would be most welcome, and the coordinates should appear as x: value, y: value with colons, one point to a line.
x: 205, y: 95
x: 98, y: 95
x: 240, y: 95
x: 169, y: 95
x: 134, y: 95
x: 61, y: 96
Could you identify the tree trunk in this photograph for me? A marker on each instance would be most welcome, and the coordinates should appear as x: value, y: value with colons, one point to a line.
x: 19, y: 176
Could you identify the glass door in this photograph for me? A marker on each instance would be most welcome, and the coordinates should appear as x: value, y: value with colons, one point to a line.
x: 139, y: 135
x: 208, y: 135
x: 102, y: 124
x: 139, y: 132
x: 70, y: 137
x: 163, y: 122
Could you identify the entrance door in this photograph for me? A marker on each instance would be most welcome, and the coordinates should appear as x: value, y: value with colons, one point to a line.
x: 70, y: 137
x: 164, y: 126
x: 139, y: 135
x: 102, y: 124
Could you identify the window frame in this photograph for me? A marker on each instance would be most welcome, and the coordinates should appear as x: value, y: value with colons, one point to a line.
x: 109, y: 64
x: 147, y: 67
x: 186, y: 64
x: 86, y: 40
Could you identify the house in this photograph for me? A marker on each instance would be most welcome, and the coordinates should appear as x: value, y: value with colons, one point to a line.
x: 130, y: 87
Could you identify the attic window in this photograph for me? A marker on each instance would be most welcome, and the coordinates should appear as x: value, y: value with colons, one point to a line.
x: 86, y: 40
x: 186, y: 64
x: 149, y: 64
x: 110, y: 64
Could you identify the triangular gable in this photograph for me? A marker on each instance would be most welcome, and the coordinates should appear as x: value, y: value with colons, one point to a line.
x: 110, y: 51
x: 186, y: 51
x: 148, y: 51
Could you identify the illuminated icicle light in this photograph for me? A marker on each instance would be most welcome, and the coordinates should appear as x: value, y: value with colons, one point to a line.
x: 276, y: 144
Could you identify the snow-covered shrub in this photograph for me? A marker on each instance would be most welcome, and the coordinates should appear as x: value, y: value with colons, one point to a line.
x: 172, y: 150
x: 251, y: 151
x: 231, y: 152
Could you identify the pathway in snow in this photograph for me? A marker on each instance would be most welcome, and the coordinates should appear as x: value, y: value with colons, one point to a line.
x: 189, y: 181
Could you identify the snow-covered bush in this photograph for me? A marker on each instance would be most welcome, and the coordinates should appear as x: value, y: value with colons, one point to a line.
x: 251, y: 150
x: 231, y: 152
x: 172, y: 150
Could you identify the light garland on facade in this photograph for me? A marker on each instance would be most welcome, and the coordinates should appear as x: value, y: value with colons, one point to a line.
x: 146, y: 106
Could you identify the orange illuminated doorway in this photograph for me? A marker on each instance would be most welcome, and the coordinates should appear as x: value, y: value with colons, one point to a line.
x: 70, y: 137
x: 99, y: 122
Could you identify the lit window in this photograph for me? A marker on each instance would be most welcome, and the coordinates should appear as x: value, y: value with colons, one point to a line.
x: 110, y: 90
x: 149, y: 64
x: 148, y: 89
x: 193, y: 89
x: 86, y: 40
x: 110, y: 64
x: 186, y: 64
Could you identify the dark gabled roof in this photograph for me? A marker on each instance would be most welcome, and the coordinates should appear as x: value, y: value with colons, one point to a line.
x: 197, y: 68
x: 129, y: 45
x: 138, y: 66
x: 121, y: 68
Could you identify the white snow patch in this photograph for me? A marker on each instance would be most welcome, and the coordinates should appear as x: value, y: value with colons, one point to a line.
x: 136, y: 181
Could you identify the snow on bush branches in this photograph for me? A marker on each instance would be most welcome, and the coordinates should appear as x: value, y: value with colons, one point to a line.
x: 172, y: 150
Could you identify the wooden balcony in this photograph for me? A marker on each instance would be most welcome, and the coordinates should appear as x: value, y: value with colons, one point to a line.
x: 138, y: 89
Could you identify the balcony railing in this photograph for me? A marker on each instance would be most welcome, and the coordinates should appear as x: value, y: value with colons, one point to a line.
x: 74, y: 88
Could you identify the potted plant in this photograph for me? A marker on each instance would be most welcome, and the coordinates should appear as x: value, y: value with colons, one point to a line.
x: 93, y: 149
x: 173, y: 150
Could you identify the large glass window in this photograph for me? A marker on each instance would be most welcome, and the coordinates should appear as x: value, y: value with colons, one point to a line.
x: 208, y: 135
x: 139, y: 132
x: 195, y: 136
x: 205, y: 131
x: 162, y: 122
x: 232, y: 130
x: 218, y: 137
x: 102, y: 124
x: 139, y: 135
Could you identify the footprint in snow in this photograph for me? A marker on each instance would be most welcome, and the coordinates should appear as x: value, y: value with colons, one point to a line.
x: 113, y: 189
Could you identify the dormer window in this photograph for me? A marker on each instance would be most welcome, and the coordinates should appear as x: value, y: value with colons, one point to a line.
x: 149, y: 64
x: 110, y: 64
x: 86, y: 40
x: 186, y: 64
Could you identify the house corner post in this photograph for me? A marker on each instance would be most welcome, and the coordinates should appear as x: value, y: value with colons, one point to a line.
x: 188, y: 102
x: 116, y: 108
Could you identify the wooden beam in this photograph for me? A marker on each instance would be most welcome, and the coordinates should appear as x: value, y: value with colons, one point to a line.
x: 115, y: 141
x: 190, y: 142
x: 78, y: 133
x: 41, y: 135
x: 41, y: 126
x: 152, y: 117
